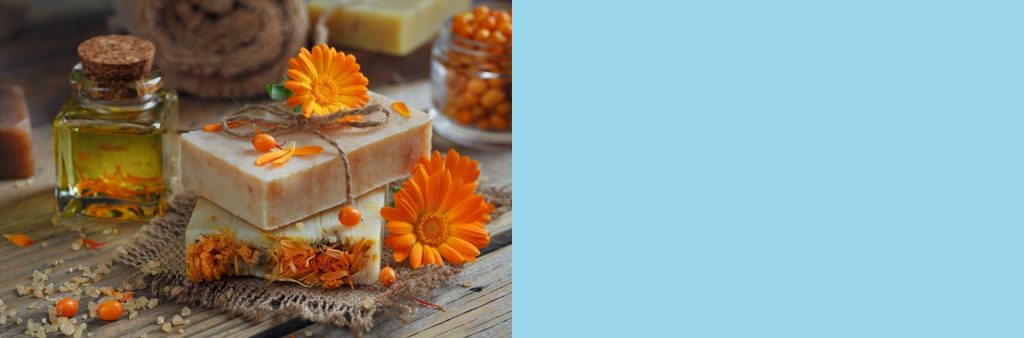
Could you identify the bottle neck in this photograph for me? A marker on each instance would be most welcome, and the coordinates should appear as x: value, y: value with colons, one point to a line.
x: 110, y: 96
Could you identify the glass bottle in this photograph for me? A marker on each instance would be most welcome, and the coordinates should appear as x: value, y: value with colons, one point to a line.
x: 115, y: 142
x: 471, y: 84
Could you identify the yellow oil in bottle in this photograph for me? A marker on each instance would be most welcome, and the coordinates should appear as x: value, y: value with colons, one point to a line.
x: 112, y: 160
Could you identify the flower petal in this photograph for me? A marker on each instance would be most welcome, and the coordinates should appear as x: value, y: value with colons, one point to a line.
x: 401, y: 242
x: 271, y: 156
x: 416, y: 255
x: 399, y: 227
x: 450, y: 254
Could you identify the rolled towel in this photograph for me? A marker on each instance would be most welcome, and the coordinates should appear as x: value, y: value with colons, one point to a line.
x: 219, y: 48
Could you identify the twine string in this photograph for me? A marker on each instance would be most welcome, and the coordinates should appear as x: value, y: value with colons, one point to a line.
x: 286, y: 120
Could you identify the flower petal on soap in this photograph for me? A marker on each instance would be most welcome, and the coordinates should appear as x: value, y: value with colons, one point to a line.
x: 269, y: 157
x: 308, y: 150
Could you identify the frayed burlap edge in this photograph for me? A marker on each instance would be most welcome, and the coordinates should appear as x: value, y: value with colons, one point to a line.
x: 158, y: 251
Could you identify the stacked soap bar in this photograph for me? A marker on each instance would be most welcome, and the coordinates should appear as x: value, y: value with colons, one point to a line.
x: 280, y: 222
x: 394, y: 27
x: 220, y: 168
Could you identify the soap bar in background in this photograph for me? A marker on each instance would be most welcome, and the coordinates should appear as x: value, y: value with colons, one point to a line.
x: 209, y: 219
x: 393, y: 27
x: 15, y: 134
x: 221, y: 168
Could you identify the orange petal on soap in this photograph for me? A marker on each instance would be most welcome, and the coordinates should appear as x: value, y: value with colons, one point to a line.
x: 213, y: 127
x: 401, y: 108
x: 20, y: 239
x: 271, y: 156
x: 287, y: 157
x: 308, y: 150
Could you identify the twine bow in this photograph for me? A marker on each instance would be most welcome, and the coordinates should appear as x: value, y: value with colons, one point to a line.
x: 286, y: 120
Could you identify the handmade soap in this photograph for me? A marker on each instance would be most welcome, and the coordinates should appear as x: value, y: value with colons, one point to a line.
x: 394, y: 27
x: 221, y: 168
x: 256, y: 252
x: 15, y: 134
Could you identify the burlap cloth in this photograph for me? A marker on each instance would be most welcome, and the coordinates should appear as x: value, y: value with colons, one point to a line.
x: 158, y: 251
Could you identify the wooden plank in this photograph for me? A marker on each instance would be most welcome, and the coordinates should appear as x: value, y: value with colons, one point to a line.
x: 484, y: 312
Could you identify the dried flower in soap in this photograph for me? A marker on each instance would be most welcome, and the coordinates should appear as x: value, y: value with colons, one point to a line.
x: 330, y: 266
x: 279, y: 157
x: 210, y: 257
x: 325, y: 81
x: 21, y: 240
x: 437, y: 213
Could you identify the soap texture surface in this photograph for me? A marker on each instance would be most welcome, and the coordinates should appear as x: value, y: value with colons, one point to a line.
x: 210, y: 219
x: 15, y: 134
x: 220, y: 168
x: 393, y: 27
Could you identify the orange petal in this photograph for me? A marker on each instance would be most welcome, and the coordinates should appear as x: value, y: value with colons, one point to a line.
x: 399, y: 227
x: 271, y: 156
x: 401, y: 108
x: 401, y: 255
x: 287, y: 156
x: 213, y: 127
x: 467, y: 250
x: 308, y: 150
x: 21, y: 240
x: 400, y: 242
x: 393, y: 214
x: 474, y: 233
x: 416, y: 255
x: 450, y: 254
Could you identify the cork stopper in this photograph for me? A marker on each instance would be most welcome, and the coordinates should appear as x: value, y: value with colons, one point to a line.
x: 116, y: 57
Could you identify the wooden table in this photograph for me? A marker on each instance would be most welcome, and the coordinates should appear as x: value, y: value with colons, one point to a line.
x: 478, y: 301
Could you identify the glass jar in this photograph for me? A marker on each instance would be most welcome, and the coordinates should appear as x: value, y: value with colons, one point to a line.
x: 471, y: 84
x: 115, y: 147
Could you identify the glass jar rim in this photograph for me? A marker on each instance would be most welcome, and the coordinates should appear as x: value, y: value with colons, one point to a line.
x: 149, y: 84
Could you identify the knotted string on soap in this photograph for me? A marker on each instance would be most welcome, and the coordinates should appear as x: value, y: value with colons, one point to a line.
x: 286, y: 120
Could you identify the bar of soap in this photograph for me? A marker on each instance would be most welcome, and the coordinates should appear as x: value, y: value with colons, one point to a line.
x: 221, y: 168
x: 317, y: 231
x: 393, y: 27
x: 15, y: 134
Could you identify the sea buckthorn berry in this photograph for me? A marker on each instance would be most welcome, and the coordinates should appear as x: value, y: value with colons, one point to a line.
x: 67, y: 307
x: 489, y: 22
x: 476, y: 86
x: 349, y: 216
x: 110, y: 310
x: 504, y: 108
x: 263, y: 142
x: 482, y: 34
x: 481, y: 11
x: 492, y: 98
x: 498, y: 38
x: 388, y: 276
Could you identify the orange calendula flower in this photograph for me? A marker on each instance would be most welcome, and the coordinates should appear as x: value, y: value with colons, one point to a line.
x: 279, y: 157
x: 325, y: 81
x: 437, y: 215
x: 21, y: 240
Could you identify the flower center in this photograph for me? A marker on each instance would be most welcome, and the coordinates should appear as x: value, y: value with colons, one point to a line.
x: 432, y: 229
x: 325, y: 91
